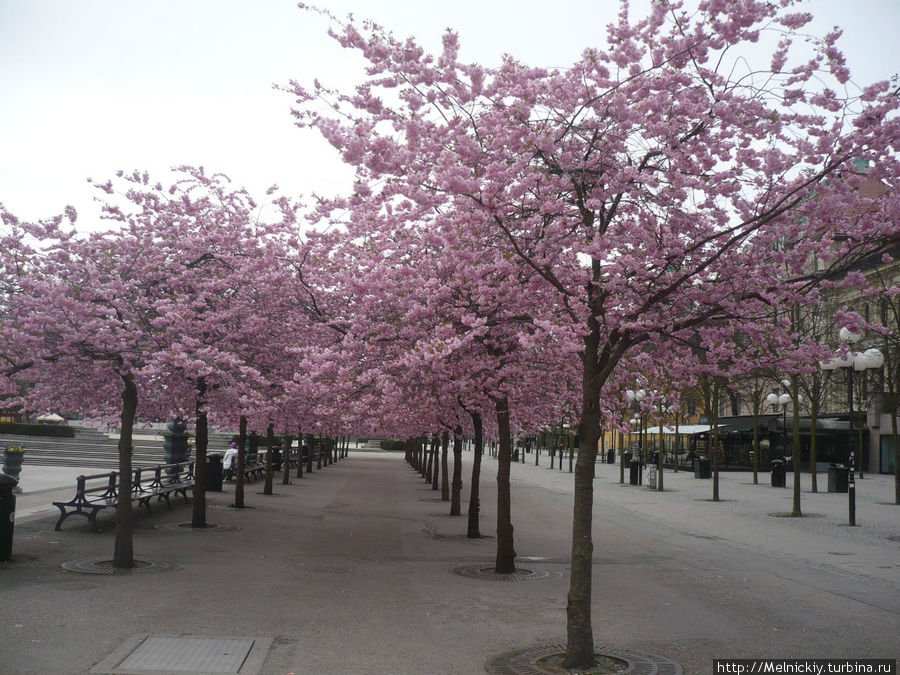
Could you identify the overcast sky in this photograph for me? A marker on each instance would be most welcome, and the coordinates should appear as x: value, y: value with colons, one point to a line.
x: 88, y: 87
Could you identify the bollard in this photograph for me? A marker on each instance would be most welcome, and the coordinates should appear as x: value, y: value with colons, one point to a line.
x: 7, y: 515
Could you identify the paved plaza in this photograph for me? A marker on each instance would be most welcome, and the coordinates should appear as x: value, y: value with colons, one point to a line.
x: 351, y: 570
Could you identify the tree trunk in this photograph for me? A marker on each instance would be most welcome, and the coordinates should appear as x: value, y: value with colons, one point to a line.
x: 579, y: 631
x: 201, y: 441
x: 714, y: 449
x: 896, y: 452
x: 506, y: 553
x: 241, y: 464
x: 300, y: 457
x: 795, y: 453
x: 456, y: 488
x: 445, y: 479
x: 422, y: 450
x: 270, y: 445
x: 436, y: 464
x: 123, y: 552
x: 286, y: 460
x: 862, y: 451
x: 309, y: 455
x: 659, y: 458
x: 474, y: 506
x: 429, y: 460
x: 677, y: 444
x: 813, y: 416
x: 755, y: 443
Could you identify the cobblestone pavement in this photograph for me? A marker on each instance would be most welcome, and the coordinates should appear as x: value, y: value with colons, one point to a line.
x: 359, y: 568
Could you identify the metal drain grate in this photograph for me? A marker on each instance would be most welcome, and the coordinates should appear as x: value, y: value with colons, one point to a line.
x: 521, y: 574
x: 531, y: 661
x: 189, y: 654
x: 158, y: 654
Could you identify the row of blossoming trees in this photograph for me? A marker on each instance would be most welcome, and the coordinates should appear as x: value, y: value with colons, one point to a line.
x: 521, y: 244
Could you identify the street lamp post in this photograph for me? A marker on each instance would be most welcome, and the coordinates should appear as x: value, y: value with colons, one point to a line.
x: 782, y: 400
x: 859, y: 361
x: 664, y: 410
x: 635, y: 398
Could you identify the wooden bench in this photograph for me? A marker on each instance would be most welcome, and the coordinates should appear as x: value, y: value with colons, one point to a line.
x: 254, y: 467
x: 101, y: 491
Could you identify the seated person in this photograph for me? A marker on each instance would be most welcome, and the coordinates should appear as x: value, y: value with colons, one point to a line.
x: 229, y: 462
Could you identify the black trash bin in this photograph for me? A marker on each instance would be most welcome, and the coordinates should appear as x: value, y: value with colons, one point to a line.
x: 7, y: 515
x: 778, y: 472
x: 214, y: 472
x: 838, y: 478
x: 276, y: 458
x: 702, y: 467
x: 636, y: 477
x: 610, y: 456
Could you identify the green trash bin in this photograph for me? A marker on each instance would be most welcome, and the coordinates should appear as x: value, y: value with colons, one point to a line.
x: 702, y: 467
x: 838, y: 478
x: 778, y: 472
x: 635, y: 477
x: 8, y: 485
x: 214, y: 472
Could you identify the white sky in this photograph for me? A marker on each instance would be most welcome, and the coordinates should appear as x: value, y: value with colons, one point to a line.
x: 88, y: 87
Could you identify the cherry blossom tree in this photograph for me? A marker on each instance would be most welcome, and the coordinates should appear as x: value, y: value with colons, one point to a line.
x: 85, y: 311
x: 647, y: 186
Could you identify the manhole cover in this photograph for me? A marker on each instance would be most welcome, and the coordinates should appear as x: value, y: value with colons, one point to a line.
x: 102, y: 565
x: 545, y: 660
x: 171, y: 654
x: 186, y: 527
x: 486, y: 571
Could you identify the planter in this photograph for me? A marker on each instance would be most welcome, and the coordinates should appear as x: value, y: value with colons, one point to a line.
x: 12, y: 462
x: 175, y: 445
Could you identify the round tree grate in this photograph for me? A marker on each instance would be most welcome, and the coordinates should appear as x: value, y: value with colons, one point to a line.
x: 547, y: 659
x: 186, y: 527
x: 102, y: 565
x: 484, y: 571
x: 232, y: 507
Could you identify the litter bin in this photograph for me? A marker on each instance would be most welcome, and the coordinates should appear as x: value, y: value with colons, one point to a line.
x: 7, y: 515
x: 214, y: 472
x: 702, y: 467
x: 838, y: 478
x: 651, y: 477
x: 635, y: 477
x: 610, y: 456
x: 778, y: 473
x: 276, y: 458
